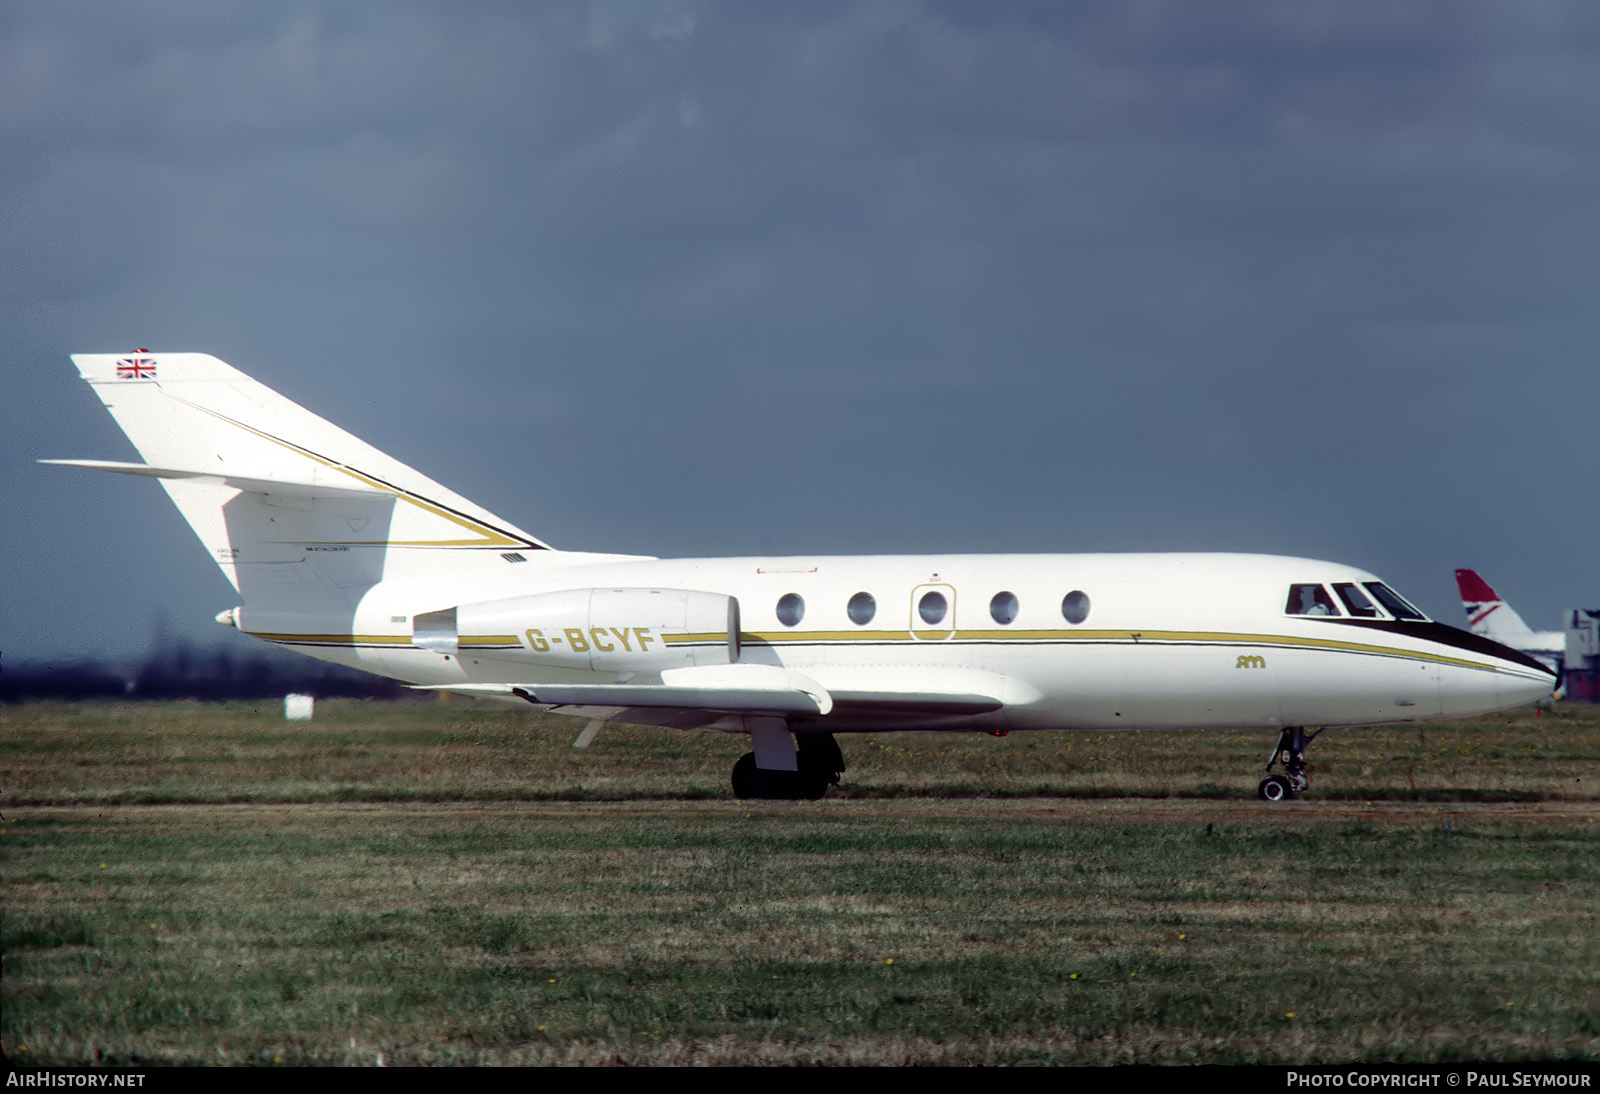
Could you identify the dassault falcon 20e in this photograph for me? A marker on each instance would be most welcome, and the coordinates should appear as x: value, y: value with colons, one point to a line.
x: 344, y: 553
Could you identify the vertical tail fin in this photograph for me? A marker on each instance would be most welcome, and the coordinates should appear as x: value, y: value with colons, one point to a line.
x: 1488, y: 614
x: 266, y: 484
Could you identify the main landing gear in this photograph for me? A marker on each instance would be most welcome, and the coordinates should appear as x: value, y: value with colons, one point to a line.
x: 1291, y: 752
x: 819, y: 764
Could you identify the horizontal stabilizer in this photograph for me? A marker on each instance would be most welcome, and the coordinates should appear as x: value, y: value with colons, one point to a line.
x: 248, y: 483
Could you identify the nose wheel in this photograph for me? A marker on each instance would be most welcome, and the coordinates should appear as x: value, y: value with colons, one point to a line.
x: 1291, y: 753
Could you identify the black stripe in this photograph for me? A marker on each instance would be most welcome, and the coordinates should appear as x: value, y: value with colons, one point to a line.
x: 1444, y: 635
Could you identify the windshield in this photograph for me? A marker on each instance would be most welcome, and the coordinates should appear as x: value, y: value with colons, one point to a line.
x: 1313, y: 599
x: 1310, y: 600
x: 1393, y: 602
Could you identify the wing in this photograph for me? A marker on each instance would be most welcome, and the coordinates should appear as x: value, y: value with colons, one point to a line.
x: 703, y: 696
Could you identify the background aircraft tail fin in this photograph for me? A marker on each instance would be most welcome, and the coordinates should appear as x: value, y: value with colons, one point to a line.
x: 269, y: 487
x: 1487, y: 613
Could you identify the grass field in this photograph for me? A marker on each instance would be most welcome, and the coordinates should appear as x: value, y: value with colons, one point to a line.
x: 448, y: 883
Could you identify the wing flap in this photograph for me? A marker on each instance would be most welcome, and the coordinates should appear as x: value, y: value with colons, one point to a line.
x: 914, y: 702
x: 618, y: 699
x: 745, y: 689
x: 721, y: 700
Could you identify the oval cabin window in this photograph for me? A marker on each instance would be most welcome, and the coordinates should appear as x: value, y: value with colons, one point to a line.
x: 791, y: 609
x: 1003, y: 608
x: 1075, y: 606
x: 861, y: 609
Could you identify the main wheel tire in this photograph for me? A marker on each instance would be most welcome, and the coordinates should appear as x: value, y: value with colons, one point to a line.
x: 744, y: 776
x: 818, y: 753
x: 1273, y: 788
x: 751, y: 783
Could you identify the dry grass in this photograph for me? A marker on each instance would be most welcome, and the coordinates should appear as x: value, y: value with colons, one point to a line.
x: 460, y: 751
x: 409, y: 881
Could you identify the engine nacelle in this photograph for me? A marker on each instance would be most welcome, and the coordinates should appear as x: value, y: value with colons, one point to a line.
x: 603, y: 630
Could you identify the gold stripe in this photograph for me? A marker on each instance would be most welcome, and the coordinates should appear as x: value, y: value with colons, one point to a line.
x: 336, y: 639
x: 1064, y: 638
x: 488, y: 536
x: 789, y: 637
x: 485, y: 641
x: 1076, y: 637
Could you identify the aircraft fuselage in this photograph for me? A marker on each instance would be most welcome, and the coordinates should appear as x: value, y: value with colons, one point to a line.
x: 1103, y: 641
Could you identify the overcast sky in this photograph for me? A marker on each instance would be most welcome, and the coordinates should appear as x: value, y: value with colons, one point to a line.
x: 727, y: 278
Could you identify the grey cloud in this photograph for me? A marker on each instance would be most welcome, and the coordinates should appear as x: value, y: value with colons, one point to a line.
x: 1308, y: 277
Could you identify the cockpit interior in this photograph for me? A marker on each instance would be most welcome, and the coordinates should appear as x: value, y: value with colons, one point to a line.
x: 1347, y: 599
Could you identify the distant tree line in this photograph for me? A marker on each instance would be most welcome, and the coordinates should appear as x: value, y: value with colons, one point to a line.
x: 178, y: 670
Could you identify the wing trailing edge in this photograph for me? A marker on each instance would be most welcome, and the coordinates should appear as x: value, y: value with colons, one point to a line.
x: 745, y: 689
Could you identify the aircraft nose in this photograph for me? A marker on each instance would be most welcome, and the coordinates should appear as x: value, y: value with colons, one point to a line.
x: 1521, y: 679
x: 1522, y: 686
x: 1515, y: 680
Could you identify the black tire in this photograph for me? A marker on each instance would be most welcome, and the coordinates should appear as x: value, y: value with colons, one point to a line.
x: 818, y: 754
x: 751, y: 783
x: 743, y: 776
x: 1273, y: 788
x: 805, y: 786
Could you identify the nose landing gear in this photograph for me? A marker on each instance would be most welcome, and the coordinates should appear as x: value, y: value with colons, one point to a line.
x: 1291, y: 752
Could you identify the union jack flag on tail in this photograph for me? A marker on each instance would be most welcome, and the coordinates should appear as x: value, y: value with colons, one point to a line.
x: 138, y: 367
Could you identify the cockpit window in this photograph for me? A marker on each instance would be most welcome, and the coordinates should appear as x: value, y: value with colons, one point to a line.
x: 1392, y: 601
x: 1310, y: 600
x: 1355, y: 601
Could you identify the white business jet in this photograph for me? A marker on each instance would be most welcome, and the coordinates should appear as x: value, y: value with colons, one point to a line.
x: 344, y: 553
